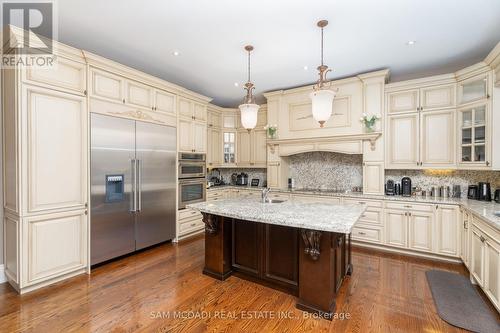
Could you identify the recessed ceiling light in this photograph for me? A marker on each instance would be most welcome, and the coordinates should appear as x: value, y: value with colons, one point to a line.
x: 236, y: 84
x: 175, y: 53
x: 411, y: 42
x: 306, y: 68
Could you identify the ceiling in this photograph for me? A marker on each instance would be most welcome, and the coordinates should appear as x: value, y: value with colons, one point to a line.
x: 363, y: 35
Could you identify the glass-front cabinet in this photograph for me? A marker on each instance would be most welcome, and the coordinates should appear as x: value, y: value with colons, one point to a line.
x: 229, y: 144
x: 473, y: 89
x: 473, y: 135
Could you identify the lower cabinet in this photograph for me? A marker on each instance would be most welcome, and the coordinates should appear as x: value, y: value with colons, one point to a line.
x: 485, y: 259
x: 56, y: 245
x: 420, y: 225
x: 448, y: 230
x: 465, y: 238
x: 396, y: 224
x: 190, y: 222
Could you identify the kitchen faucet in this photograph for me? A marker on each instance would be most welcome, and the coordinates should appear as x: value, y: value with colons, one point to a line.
x: 265, y: 193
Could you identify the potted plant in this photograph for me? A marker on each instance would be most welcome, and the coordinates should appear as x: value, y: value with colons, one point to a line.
x: 271, y: 131
x: 369, y: 121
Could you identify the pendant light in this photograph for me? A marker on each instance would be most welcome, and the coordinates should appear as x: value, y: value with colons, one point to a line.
x: 249, y: 108
x: 322, y: 97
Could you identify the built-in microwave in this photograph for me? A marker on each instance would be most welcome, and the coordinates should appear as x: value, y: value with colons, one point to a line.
x: 191, y: 191
x: 192, y: 165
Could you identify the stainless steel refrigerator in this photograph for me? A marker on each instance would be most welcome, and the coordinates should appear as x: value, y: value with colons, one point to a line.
x: 133, y: 178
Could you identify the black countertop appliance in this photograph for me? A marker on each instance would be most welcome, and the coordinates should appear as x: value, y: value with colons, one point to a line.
x: 389, y: 187
x: 497, y: 195
x: 242, y: 179
x: 484, y: 192
x: 406, y: 187
x: 472, y: 192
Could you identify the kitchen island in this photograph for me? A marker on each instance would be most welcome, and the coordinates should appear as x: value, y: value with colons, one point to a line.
x: 297, y: 247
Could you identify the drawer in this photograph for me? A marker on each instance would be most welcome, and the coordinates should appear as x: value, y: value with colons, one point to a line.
x: 312, y: 198
x: 367, y: 234
x: 186, y: 214
x: 409, y: 206
x: 250, y: 194
x: 191, y: 225
x: 369, y: 203
x: 215, y: 194
x: 372, y: 216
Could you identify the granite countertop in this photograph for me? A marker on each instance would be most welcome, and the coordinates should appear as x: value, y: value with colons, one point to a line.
x: 339, y: 218
x: 482, y: 209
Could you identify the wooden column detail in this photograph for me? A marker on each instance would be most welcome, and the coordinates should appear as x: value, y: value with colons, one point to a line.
x: 217, y: 246
x: 311, y: 240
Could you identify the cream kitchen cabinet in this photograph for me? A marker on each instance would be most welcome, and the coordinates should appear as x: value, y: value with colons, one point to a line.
x: 373, y: 177
x: 45, y: 182
x: 474, y: 89
x: 192, y: 136
x: 251, y: 148
x: 164, y: 102
x: 422, y: 99
x: 402, y: 139
x: 214, y: 147
x: 474, y: 136
x: 274, y: 174
x: 106, y: 85
x: 421, y: 140
x: 138, y: 94
x: 466, y: 222
x: 485, y: 259
x: 420, y: 225
x: 448, y: 230
x: 396, y: 224
x: 189, y: 109
x: 437, y: 139
x: 69, y: 76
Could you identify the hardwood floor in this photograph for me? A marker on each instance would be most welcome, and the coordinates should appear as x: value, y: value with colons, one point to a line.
x: 386, y: 293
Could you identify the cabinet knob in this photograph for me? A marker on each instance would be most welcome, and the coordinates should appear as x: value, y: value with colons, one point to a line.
x: 124, y: 101
x: 482, y: 239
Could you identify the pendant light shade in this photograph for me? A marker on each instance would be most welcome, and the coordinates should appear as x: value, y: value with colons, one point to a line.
x: 322, y: 97
x: 249, y: 115
x: 322, y: 101
x: 249, y: 109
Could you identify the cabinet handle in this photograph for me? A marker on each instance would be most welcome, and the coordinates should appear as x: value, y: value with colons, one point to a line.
x: 361, y: 233
x: 408, y: 206
x: 86, y: 212
x: 193, y: 224
x: 85, y: 92
x: 487, y: 163
x: 362, y: 202
x: 124, y: 101
x: 482, y: 239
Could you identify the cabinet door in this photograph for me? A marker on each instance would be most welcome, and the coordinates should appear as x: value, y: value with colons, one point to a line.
x: 464, y: 236
x: 164, y: 102
x: 57, y: 150
x: 200, y: 112
x: 448, y: 230
x: 473, y: 89
x: 404, y: 101
x: 396, y: 228
x: 477, y: 256
x: 420, y: 230
x: 185, y: 135
x: 214, y: 147
x: 199, y: 137
x: 214, y: 119
x: 68, y: 75
x: 437, y: 97
x: 229, y: 121
x: 243, y: 147
x: 273, y: 174
x: 139, y: 94
x: 55, y: 244
x: 185, y: 108
x: 259, y: 149
x: 402, y: 141
x: 474, y: 136
x: 437, y: 138
x: 492, y: 271
x: 373, y: 177
x: 107, y: 85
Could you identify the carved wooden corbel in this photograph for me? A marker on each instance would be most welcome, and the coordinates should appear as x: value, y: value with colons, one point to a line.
x: 210, y: 223
x: 312, y: 243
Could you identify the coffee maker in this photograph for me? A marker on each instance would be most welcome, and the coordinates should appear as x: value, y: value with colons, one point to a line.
x: 484, y: 192
x: 406, y: 187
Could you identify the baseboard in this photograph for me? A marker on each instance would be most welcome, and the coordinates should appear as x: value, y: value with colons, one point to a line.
x: 3, y: 278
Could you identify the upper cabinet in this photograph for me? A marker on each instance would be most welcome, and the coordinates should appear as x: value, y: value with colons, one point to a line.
x: 164, y: 102
x: 192, y: 128
x: 402, y: 149
x: 473, y: 130
x: 69, y: 76
x: 423, y: 99
x: 139, y: 94
x: 474, y: 89
x: 106, y: 85
x: 189, y: 109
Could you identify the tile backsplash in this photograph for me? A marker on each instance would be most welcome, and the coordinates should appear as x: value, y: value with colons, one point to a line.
x: 252, y: 173
x: 329, y: 170
x: 428, y: 178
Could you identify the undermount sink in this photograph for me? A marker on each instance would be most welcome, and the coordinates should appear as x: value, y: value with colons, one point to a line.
x: 274, y: 201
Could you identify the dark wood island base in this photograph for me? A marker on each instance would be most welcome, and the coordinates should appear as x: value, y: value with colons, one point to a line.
x: 309, y: 264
